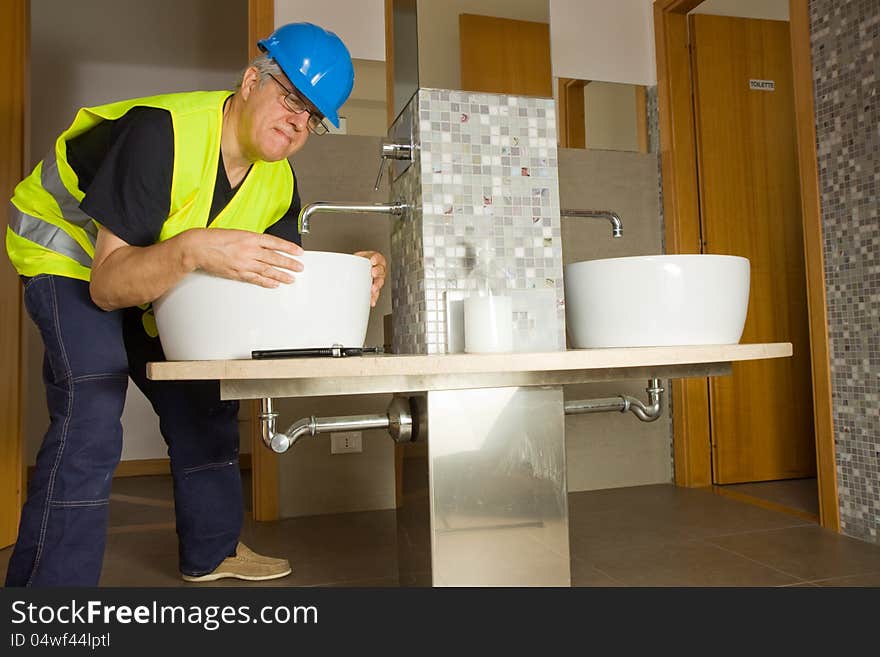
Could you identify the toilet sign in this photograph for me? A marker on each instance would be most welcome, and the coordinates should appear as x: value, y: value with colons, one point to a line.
x: 762, y: 85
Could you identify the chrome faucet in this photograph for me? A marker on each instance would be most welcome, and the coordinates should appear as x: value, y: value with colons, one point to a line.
x: 307, y: 211
x: 616, y: 224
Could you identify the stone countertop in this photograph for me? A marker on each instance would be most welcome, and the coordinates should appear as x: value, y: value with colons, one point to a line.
x: 247, y: 379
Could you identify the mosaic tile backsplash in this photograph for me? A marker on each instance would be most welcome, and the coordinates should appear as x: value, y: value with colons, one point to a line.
x: 845, y: 38
x: 485, y: 178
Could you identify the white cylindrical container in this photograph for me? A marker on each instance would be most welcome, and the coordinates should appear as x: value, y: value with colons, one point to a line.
x: 488, y: 324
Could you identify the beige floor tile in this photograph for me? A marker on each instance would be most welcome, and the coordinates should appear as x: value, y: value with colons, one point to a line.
x: 686, y: 564
x: 132, y: 569
x: 599, y: 532
x: 809, y: 553
x: 638, y: 536
x: 128, y: 513
x: 801, y: 585
x: 869, y: 579
x: 583, y: 574
x: 719, y: 516
x: 389, y: 582
x: 630, y: 498
x: 651, y: 514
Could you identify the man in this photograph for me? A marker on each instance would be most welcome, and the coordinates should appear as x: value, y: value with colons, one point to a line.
x: 133, y: 196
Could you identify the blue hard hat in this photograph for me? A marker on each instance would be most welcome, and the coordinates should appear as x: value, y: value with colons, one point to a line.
x: 316, y: 62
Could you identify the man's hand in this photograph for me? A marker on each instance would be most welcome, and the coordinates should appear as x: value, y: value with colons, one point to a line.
x: 125, y: 275
x: 378, y: 272
x: 245, y: 256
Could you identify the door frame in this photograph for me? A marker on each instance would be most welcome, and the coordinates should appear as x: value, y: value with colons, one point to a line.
x: 14, y: 140
x: 681, y: 212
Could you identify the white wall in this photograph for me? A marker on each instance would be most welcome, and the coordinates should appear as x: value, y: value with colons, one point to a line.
x: 601, y: 40
x: 359, y: 23
x: 94, y: 51
x: 776, y: 10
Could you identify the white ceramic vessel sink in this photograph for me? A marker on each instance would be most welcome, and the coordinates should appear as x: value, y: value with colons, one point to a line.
x: 660, y: 300
x: 206, y: 317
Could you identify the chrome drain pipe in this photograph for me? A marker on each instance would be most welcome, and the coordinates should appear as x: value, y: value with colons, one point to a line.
x: 622, y: 403
x: 405, y: 416
x: 398, y: 420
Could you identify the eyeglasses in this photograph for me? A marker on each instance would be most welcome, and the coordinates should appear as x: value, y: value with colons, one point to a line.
x: 297, y: 105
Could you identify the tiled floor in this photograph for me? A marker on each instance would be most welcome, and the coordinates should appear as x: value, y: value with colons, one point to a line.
x: 642, y: 536
x: 794, y: 494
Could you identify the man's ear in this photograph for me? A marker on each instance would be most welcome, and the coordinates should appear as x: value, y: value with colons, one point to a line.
x: 250, y: 79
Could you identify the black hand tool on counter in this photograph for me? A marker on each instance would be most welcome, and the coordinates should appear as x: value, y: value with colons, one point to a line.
x: 336, y: 351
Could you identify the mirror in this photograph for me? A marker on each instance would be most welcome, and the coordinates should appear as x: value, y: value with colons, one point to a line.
x: 500, y: 46
x: 602, y: 115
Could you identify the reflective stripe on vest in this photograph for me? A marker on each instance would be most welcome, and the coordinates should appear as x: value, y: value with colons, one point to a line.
x: 48, y: 235
x: 51, y: 181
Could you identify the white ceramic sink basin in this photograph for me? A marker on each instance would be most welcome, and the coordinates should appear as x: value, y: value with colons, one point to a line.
x: 206, y: 317
x: 661, y: 300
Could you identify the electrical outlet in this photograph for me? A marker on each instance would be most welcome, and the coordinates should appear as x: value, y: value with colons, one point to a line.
x: 345, y: 442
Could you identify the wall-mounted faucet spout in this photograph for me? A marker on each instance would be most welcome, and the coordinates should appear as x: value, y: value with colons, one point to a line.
x: 616, y: 224
x: 320, y: 206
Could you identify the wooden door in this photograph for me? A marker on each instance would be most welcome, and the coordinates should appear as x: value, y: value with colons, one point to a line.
x: 762, y: 416
x: 14, y: 31
x: 505, y: 56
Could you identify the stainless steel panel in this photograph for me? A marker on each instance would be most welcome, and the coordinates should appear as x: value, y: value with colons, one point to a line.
x: 317, y: 387
x: 403, y: 131
x: 405, y: 37
x: 414, y: 518
x: 497, y: 489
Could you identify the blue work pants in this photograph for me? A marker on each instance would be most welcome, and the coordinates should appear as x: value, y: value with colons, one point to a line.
x: 89, y: 356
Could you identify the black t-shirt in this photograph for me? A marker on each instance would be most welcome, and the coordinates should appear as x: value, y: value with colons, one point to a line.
x: 124, y: 167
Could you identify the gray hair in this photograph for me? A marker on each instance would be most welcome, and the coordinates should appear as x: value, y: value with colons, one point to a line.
x: 265, y: 66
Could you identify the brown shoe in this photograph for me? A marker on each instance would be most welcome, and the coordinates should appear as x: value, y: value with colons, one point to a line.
x: 246, y: 564
x: 243, y: 551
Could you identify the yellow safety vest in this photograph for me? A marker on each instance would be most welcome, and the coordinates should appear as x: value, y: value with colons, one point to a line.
x: 49, y: 234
